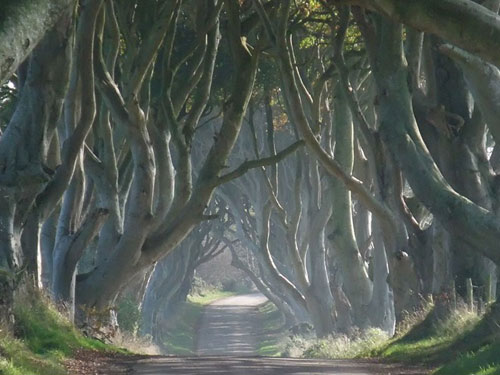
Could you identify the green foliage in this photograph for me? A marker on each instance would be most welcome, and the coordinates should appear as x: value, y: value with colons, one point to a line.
x: 129, y: 314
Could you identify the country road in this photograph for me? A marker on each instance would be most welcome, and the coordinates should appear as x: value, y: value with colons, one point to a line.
x: 227, y: 341
x: 229, y: 326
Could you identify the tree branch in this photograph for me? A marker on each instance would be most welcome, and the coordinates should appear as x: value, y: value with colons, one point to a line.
x: 252, y: 164
x: 84, y: 235
x: 463, y: 23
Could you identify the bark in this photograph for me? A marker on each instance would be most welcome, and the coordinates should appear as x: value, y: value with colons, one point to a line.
x: 442, y: 261
x: 9, y: 258
x: 67, y: 252
x: 292, y: 293
x: 319, y: 297
x: 47, y: 242
x: 23, y: 24
x: 382, y: 309
x: 346, y: 255
x: 483, y: 80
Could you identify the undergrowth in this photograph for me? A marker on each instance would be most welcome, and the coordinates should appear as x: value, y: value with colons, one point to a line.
x: 334, y: 347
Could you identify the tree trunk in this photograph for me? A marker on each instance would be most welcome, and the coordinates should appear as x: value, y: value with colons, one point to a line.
x: 479, y: 228
x: 355, y: 280
x: 9, y: 253
x: 22, y: 25
x: 382, y: 311
x: 319, y: 297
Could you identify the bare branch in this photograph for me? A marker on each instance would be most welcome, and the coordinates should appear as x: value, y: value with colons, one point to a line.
x: 251, y: 164
x: 85, y: 234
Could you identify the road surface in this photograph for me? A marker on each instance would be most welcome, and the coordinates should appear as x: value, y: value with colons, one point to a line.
x: 229, y: 327
x: 263, y: 366
x: 227, y: 339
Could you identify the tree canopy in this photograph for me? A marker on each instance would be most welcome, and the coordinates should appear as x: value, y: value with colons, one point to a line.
x: 345, y: 152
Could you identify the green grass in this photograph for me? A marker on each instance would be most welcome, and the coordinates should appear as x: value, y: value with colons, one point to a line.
x: 43, y: 338
x: 180, y: 338
x: 271, y: 336
x: 428, y: 343
x: 462, y: 344
x: 485, y: 361
x: 17, y: 359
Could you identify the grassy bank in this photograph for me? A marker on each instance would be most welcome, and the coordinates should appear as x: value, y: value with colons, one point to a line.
x: 180, y: 337
x: 462, y: 344
x: 42, y: 339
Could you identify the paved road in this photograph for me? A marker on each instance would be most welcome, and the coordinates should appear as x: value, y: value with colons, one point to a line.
x: 226, y: 345
x: 263, y: 366
x: 229, y: 326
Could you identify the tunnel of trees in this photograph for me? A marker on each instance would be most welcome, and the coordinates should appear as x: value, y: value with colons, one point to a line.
x: 345, y: 152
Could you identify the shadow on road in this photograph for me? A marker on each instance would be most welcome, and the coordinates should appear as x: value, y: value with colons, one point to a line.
x: 264, y: 366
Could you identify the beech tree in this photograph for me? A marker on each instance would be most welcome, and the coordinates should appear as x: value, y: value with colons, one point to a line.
x: 362, y: 177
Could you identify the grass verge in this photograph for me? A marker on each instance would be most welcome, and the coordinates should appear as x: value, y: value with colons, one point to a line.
x: 180, y: 336
x: 42, y: 339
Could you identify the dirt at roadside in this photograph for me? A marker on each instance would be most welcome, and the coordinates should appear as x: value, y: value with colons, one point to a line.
x: 91, y: 362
